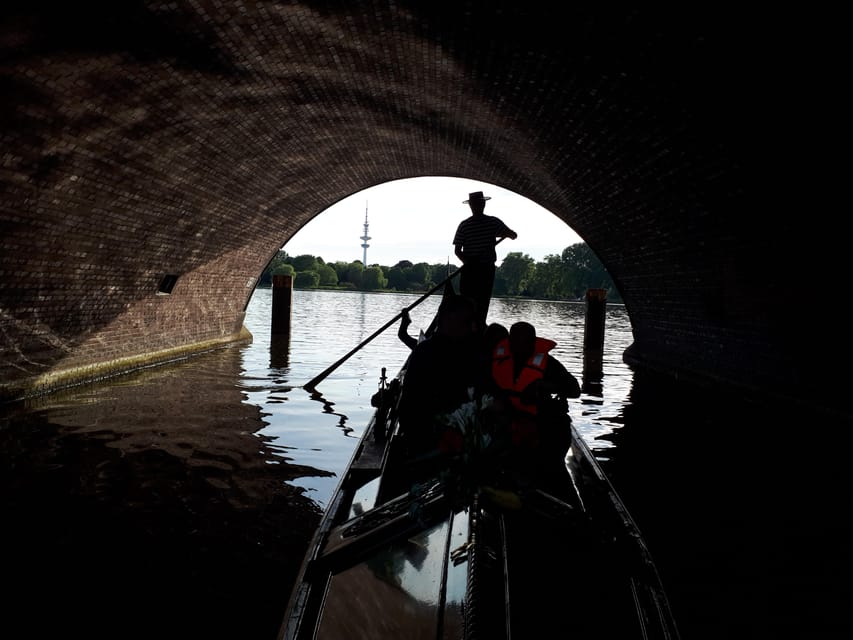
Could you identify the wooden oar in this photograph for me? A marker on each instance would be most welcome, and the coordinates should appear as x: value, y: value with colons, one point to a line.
x: 318, y: 378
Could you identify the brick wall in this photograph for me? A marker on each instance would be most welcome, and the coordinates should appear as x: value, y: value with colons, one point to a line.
x: 195, y: 139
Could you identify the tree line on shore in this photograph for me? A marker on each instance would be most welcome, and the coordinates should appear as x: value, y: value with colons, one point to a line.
x: 558, y: 277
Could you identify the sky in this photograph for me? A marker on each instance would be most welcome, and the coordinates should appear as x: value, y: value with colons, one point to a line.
x: 415, y: 219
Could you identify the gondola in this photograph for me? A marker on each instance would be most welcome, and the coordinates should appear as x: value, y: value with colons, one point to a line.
x: 471, y: 546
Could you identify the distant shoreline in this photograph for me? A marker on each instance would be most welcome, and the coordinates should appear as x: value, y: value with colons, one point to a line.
x: 420, y: 293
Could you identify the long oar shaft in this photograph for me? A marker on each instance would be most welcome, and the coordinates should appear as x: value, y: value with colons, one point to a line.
x: 318, y: 378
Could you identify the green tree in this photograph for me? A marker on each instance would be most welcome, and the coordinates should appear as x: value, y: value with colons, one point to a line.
x: 576, y: 269
x: 277, y: 266
x: 353, y: 273
x: 328, y: 276
x: 340, y: 269
x: 439, y: 271
x: 566, y: 276
x: 372, y: 279
x: 418, y: 275
x: 516, y: 271
x: 583, y: 270
x: 397, y: 278
x: 306, y: 280
x: 280, y: 258
x: 547, y: 275
x: 283, y: 270
x: 305, y: 262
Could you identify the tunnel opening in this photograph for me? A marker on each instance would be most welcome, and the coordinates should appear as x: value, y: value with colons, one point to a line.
x: 410, y: 223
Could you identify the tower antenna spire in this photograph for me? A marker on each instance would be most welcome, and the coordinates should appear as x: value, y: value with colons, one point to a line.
x: 365, y: 237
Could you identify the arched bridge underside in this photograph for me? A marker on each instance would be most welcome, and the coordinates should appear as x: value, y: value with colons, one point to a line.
x: 145, y: 139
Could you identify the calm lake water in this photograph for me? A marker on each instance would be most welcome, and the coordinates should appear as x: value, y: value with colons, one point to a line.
x: 178, y: 501
x: 322, y: 432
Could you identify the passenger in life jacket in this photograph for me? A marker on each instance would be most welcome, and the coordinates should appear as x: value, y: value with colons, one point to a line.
x: 535, y: 382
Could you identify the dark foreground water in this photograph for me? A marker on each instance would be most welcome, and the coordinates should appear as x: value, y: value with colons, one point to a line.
x: 177, y: 502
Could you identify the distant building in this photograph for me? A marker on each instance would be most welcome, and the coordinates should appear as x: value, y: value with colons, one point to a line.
x: 365, y: 237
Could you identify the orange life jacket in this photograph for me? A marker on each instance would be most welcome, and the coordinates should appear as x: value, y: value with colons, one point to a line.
x: 533, y: 369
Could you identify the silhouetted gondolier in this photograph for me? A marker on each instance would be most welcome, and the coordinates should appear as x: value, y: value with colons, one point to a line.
x: 474, y: 245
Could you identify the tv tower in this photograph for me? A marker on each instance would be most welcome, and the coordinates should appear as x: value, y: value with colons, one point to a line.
x: 365, y: 237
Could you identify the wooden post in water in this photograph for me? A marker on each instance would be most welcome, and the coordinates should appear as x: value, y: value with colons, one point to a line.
x: 282, y: 296
x: 593, y: 337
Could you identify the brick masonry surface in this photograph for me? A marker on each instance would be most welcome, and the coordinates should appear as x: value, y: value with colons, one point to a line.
x: 194, y: 139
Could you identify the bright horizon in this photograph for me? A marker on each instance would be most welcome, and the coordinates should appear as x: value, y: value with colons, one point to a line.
x: 395, y: 208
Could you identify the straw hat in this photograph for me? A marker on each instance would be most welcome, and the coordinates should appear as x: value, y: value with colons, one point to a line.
x: 476, y: 196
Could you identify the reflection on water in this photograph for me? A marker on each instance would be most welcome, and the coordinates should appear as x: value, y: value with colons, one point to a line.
x: 280, y: 355
x: 183, y: 497
x: 178, y: 501
x: 329, y: 408
x: 144, y: 508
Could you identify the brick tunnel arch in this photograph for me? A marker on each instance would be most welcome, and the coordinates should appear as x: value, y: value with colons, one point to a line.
x: 146, y: 140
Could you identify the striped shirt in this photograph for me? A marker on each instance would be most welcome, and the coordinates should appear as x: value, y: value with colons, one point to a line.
x: 477, y: 235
